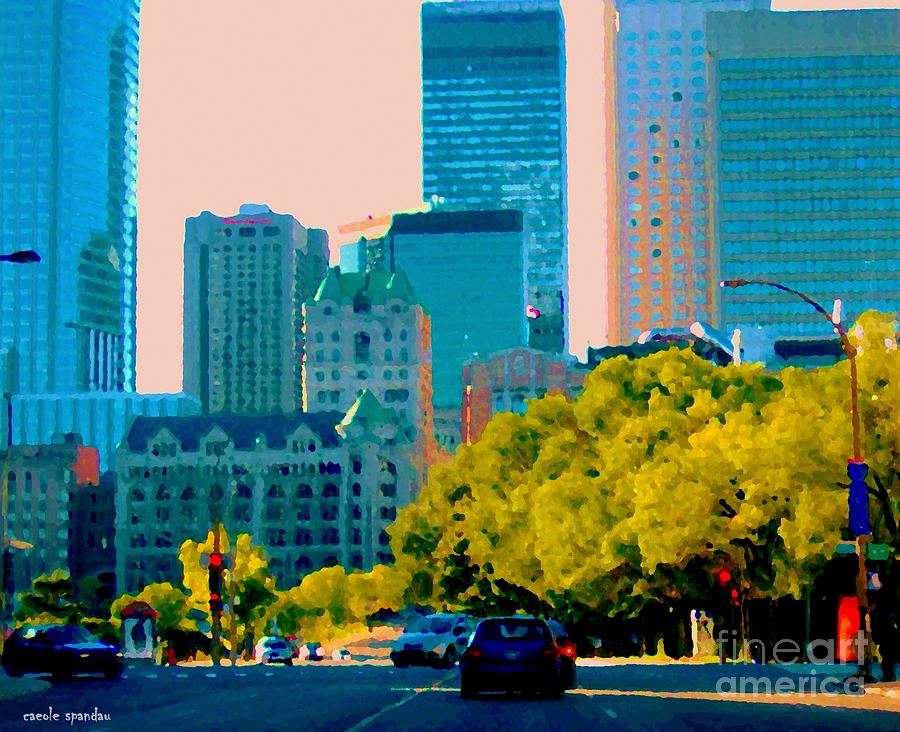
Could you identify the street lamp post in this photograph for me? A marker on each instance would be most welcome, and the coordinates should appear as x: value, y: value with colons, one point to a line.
x: 26, y: 256
x: 856, y: 469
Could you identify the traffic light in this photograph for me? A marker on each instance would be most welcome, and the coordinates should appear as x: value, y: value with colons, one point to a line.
x: 727, y: 581
x: 858, y: 498
x: 215, y: 564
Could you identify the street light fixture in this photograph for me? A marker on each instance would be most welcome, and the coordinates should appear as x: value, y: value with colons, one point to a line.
x: 25, y: 256
x: 858, y: 507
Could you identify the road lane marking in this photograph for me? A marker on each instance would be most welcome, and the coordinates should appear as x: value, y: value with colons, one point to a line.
x: 362, y: 724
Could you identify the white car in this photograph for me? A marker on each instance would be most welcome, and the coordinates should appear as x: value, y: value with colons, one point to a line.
x: 273, y: 649
x: 434, y: 640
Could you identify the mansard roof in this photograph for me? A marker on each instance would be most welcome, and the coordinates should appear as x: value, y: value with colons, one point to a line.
x: 242, y: 430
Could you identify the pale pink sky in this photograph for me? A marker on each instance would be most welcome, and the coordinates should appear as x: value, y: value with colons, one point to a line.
x: 313, y: 106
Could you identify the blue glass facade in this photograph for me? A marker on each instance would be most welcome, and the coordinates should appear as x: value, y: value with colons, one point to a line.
x: 661, y: 270
x: 494, y: 132
x: 467, y: 269
x: 808, y: 164
x: 68, y: 154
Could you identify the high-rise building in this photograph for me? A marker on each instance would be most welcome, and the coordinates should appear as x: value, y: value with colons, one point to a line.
x: 68, y: 136
x: 368, y: 331
x: 494, y: 132
x: 661, y: 268
x: 806, y: 120
x: 468, y: 269
x: 245, y: 279
x: 101, y: 419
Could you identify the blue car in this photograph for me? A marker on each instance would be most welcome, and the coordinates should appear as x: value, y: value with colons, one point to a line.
x: 60, y: 650
x: 511, y: 654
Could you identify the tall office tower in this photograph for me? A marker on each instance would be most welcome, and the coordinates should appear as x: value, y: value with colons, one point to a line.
x: 68, y: 135
x: 807, y: 130
x: 494, y: 132
x: 468, y: 269
x: 661, y: 267
x: 245, y: 280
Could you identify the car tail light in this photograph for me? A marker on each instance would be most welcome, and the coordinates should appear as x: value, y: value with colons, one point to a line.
x: 549, y: 650
x: 568, y: 650
x: 473, y: 652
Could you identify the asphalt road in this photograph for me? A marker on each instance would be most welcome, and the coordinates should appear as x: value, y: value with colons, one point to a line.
x: 355, y: 698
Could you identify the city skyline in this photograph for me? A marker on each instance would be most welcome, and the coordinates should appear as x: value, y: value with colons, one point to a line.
x: 202, y: 144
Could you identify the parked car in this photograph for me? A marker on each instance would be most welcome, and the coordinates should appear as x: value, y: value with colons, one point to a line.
x: 567, y: 653
x: 511, y: 654
x: 60, y: 650
x: 310, y: 651
x: 434, y: 640
x: 273, y: 649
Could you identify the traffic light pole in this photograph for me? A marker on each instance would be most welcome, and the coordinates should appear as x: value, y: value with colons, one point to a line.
x: 216, y: 617
x: 856, y: 470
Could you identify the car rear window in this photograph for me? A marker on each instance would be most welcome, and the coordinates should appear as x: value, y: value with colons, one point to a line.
x: 497, y: 630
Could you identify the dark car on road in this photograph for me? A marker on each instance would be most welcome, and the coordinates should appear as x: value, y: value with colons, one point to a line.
x: 511, y: 654
x: 60, y: 650
x: 567, y: 653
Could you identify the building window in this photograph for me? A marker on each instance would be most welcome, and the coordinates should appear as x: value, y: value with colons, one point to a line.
x: 330, y: 491
x: 357, y: 513
x: 388, y: 490
x: 356, y: 560
x: 302, y: 563
x: 361, y: 343
x: 389, y: 513
x: 247, y: 231
x: 271, y: 231
x: 303, y: 537
x: 304, y: 490
x: 329, y: 513
x: 331, y: 537
x: 387, y: 334
x: 384, y: 539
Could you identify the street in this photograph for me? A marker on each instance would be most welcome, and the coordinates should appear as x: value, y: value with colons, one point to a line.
x: 366, y: 697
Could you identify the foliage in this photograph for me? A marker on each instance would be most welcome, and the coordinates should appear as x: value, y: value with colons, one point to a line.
x: 50, y: 600
x: 170, y: 602
x: 664, y: 469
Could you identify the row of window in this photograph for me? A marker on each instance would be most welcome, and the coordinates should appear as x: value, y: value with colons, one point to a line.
x: 811, y: 185
x: 815, y: 205
x: 795, y: 83
x: 811, y: 63
x: 797, y: 123
x: 874, y: 163
x: 810, y: 246
x: 767, y: 103
x: 800, y: 225
x: 769, y: 145
x: 250, y: 231
x: 674, y: 35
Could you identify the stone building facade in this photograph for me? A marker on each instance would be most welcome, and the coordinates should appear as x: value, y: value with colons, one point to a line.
x: 314, y: 490
x: 45, y: 508
x: 504, y: 382
x: 367, y: 330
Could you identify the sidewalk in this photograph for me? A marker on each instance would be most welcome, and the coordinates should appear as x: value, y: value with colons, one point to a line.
x: 11, y: 688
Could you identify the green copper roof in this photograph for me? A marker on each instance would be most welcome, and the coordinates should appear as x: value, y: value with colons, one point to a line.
x: 367, y: 413
x: 377, y: 286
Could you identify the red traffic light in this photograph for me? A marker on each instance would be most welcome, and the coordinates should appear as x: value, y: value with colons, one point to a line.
x: 215, y: 560
x: 724, y: 576
x: 734, y: 594
x: 214, y: 596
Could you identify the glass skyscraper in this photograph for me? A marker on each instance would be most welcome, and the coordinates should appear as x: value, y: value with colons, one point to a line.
x: 68, y: 141
x: 660, y: 266
x: 494, y: 132
x: 807, y: 154
x: 467, y: 269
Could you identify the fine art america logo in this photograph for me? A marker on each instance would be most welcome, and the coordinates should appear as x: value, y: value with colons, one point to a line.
x: 787, y: 651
